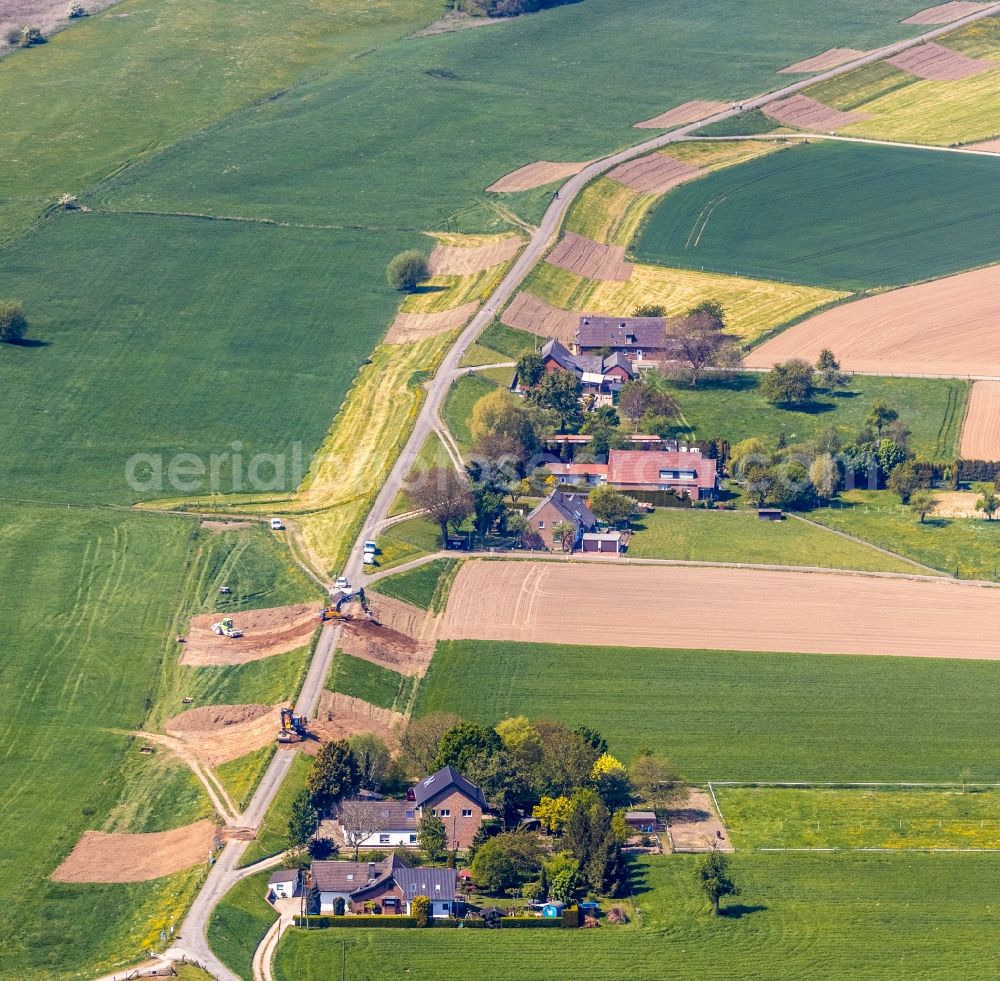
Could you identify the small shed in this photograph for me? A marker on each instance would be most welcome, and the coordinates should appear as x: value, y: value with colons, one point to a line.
x: 770, y: 514
x: 603, y: 541
x: 642, y: 821
x: 553, y: 910
x: 456, y: 543
x: 283, y: 884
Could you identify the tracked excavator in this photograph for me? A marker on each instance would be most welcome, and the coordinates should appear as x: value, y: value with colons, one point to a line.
x: 293, y: 727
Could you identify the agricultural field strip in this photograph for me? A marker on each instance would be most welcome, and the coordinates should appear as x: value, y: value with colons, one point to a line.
x: 219, y: 878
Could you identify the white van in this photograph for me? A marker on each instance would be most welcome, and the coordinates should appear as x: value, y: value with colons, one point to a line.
x: 369, y: 558
x: 370, y: 547
x: 276, y: 525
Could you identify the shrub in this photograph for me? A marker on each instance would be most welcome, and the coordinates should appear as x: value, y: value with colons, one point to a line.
x: 325, y: 920
x: 420, y: 907
x: 407, y: 269
x: 372, y: 856
x: 617, y: 914
x: 76, y: 10
x: 13, y: 323
x: 26, y: 37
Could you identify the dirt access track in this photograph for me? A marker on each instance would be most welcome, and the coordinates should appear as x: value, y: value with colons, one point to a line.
x: 99, y: 857
x: 946, y: 327
x: 765, y: 610
x: 981, y: 432
x: 265, y: 633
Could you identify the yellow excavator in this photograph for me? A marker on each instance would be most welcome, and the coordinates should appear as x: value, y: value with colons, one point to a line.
x: 339, y: 599
x: 293, y: 727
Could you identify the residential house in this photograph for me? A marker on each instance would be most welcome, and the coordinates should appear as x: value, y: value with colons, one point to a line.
x: 389, y: 886
x: 561, y: 508
x: 637, y: 338
x: 283, y: 884
x: 458, y: 803
x: 682, y: 470
x: 601, y: 376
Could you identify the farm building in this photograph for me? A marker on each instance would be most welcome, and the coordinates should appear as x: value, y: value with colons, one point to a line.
x: 637, y: 338
x: 388, y: 886
x: 601, y: 376
x: 283, y: 884
x: 641, y: 821
x: 458, y: 803
x: 561, y: 508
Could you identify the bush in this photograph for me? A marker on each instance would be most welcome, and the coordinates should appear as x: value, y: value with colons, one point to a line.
x: 407, y: 269
x: 13, y: 323
x: 325, y: 921
x: 372, y: 856
x: 529, y: 922
x: 617, y: 914
x: 25, y: 37
x: 570, y: 917
x: 76, y: 10
x: 420, y: 907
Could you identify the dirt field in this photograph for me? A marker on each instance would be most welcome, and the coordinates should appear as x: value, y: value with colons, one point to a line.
x: 957, y: 504
x: 220, y: 526
x: 679, y: 115
x: 934, y: 61
x: 460, y: 260
x: 805, y: 113
x: 828, y: 59
x: 654, y: 174
x: 387, y: 647
x: 981, y: 432
x: 695, y: 825
x: 527, y: 312
x: 675, y: 606
x: 591, y: 259
x: 991, y: 146
x: 265, y: 633
x: 49, y: 15
x: 342, y: 716
x: 98, y: 857
x: 944, y: 13
x: 948, y: 327
x: 536, y: 174
x: 417, y: 326
x: 217, y: 734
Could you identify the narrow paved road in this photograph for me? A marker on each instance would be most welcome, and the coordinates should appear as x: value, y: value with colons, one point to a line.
x: 224, y: 874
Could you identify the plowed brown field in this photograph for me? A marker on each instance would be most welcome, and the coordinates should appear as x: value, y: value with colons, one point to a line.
x: 722, y: 609
x: 527, y: 312
x: 981, y: 432
x: 265, y: 633
x: 592, y: 260
x: 654, y: 174
x: 944, y: 13
x: 456, y: 260
x: 805, y: 113
x: 947, y: 327
x: 536, y: 174
x: 98, y: 857
x: 689, y: 112
x: 217, y: 734
x: 936, y: 62
x: 416, y: 326
x: 828, y: 59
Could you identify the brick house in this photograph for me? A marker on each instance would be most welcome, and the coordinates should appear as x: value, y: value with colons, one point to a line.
x: 601, y: 376
x: 637, y: 338
x: 458, y: 803
x: 686, y: 469
x: 388, y: 886
x: 561, y: 508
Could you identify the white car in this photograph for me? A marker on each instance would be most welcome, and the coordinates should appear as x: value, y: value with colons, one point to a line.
x: 370, y: 547
x: 342, y: 583
x: 276, y: 524
x: 369, y: 558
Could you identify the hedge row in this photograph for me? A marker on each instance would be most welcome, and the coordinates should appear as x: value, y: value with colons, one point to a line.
x: 978, y: 470
x: 324, y: 920
x: 514, y: 923
x: 570, y: 918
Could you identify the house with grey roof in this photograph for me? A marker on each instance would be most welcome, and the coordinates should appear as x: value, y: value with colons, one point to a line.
x: 560, y: 508
x: 601, y: 375
x: 638, y: 338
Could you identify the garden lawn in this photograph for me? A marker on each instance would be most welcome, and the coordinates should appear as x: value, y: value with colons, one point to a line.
x: 457, y: 410
x: 737, y: 536
x: 370, y: 682
x: 165, y: 336
x: 426, y: 586
x: 878, y: 917
x: 840, y: 215
x: 239, y: 922
x: 784, y: 817
x: 966, y: 547
x: 407, y: 540
x: 738, y: 716
x: 732, y: 409
x: 84, y: 623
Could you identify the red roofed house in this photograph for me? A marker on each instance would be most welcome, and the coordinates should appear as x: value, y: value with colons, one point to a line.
x: 685, y: 469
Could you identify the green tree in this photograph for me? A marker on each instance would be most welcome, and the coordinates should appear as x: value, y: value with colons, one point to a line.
x: 421, y: 740
x: 824, y: 476
x: 789, y: 384
x: 922, y: 503
x: 655, y: 778
x: 302, y: 819
x: 444, y: 494
x: 649, y: 310
x: 335, y: 774
x: 988, y: 501
x: 564, y: 533
x: 553, y: 813
x: 313, y: 900
x: 702, y: 341
x: 611, y: 781
x: 565, y: 885
x: 432, y: 836
x: 407, y: 269
x: 610, y: 505
x: 828, y: 372
x: 559, y: 391
x: 503, y: 414
x: 880, y: 415
x: 747, y: 452
x: 489, y: 507
x: 604, y: 862
x: 492, y: 868
x: 13, y: 323
x: 373, y: 758
x: 530, y: 368
x: 712, y: 873
x: 521, y: 740
x: 904, y: 480
x: 420, y: 910
x: 890, y: 455
x: 464, y: 741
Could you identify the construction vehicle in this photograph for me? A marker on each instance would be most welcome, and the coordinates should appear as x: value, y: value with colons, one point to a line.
x: 293, y: 727
x: 226, y: 628
x: 338, y: 598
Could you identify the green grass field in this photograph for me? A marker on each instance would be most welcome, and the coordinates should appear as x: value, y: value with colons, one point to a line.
x: 457, y: 410
x: 966, y: 547
x: 370, y: 682
x: 732, y: 409
x: 408, y: 540
x: 239, y: 922
x: 800, y: 916
x: 177, y: 335
x: 241, y: 776
x: 833, y: 214
x: 272, y: 836
x: 426, y: 586
x: 781, y: 817
x: 83, y: 626
x: 738, y: 716
x: 735, y: 536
